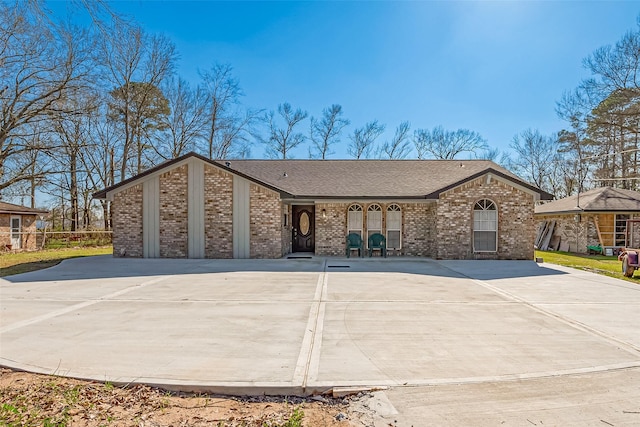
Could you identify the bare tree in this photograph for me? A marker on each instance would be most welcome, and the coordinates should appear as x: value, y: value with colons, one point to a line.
x: 40, y: 62
x: 326, y: 131
x: 363, y: 138
x: 99, y: 159
x: 398, y: 147
x: 145, y: 108
x: 136, y: 64
x: 575, y: 146
x: 234, y: 139
x: 229, y: 126
x: 35, y: 162
x: 614, y: 67
x: 603, y: 138
x: 185, y: 124
x: 536, y: 159
x: 444, y: 144
x: 282, y: 140
x: 72, y: 138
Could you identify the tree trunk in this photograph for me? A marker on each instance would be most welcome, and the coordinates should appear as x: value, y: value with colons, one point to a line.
x: 33, y: 192
x: 105, y: 214
x: 73, y: 193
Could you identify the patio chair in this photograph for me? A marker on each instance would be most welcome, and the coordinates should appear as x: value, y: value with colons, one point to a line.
x: 354, y: 241
x: 377, y: 242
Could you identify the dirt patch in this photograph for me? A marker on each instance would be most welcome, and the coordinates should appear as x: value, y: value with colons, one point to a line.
x: 29, y: 399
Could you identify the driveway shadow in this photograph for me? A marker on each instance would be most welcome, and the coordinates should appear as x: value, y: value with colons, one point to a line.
x: 106, y: 266
x: 494, y: 269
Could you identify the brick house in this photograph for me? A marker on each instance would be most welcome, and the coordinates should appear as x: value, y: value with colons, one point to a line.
x: 597, y: 216
x: 198, y: 208
x: 18, y: 226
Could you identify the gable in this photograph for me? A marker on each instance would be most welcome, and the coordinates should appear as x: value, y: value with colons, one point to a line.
x: 167, y: 167
x: 349, y: 179
x: 487, y: 177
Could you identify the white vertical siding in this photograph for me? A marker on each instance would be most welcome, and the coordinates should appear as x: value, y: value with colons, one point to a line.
x: 195, y: 209
x: 151, y: 218
x: 241, y: 231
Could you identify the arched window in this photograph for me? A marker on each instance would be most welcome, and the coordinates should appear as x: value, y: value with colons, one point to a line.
x: 394, y: 227
x: 485, y: 226
x: 374, y: 220
x: 354, y: 220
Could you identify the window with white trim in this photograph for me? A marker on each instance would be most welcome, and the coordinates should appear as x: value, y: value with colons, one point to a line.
x: 374, y: 221
x: 394, y: 227
x: 485, y: 226
x: 354, y: 220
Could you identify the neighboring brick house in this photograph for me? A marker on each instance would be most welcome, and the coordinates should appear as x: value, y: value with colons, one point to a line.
x: 198, y: 208
x: 18, y: 226
x: 597, y: 216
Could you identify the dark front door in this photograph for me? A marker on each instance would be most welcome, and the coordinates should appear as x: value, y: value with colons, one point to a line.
x: 303, y: 228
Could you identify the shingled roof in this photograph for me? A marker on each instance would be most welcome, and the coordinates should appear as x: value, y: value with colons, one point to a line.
x: 325, y: 179
x: 10, y: 208
x: 603, y: 199
x: 368, y: 178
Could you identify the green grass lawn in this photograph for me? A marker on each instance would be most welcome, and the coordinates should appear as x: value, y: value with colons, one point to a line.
x: 23, y: 262
x: 607, y: 265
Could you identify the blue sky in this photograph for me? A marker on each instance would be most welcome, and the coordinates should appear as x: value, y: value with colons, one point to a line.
x: 495, y: 67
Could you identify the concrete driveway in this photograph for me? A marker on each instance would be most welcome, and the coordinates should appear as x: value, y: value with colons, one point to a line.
x: 439, y: 334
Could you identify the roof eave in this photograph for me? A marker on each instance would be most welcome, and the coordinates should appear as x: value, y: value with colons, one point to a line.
x: 563, y: 212
x: 23, y: 212
x: 543, y: 194
x: 591, y: 211
x: 103, y: 194
x: 356, y: 197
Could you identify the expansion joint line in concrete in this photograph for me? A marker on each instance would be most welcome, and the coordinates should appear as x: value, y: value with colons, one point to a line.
x: 310, y: 348
x: 624, y: 345
x: 81, y: 305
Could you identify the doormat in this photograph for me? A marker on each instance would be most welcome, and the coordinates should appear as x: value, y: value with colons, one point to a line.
x: 299, y: 257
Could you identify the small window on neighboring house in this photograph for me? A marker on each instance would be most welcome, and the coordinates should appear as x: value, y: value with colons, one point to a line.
x: 394, y: 227
x: 374, y: 221
x: 485, y: 226
x: 354, y: 220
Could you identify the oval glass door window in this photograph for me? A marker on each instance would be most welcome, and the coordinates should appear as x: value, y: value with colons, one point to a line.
x: 304, y: 223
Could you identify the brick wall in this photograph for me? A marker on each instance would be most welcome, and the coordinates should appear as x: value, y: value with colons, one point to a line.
x: 173, y: 213
x: 419, y: 224
x: 218, y: 213
x: 516, y: 232
x: 286, y: 230
x: 265, y: 223
x: 331, y: 231
x: 441, y: 229
x: 28, y: 230
x: 5, y: 236
x: 127, y: 222
x: 418, y: 228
